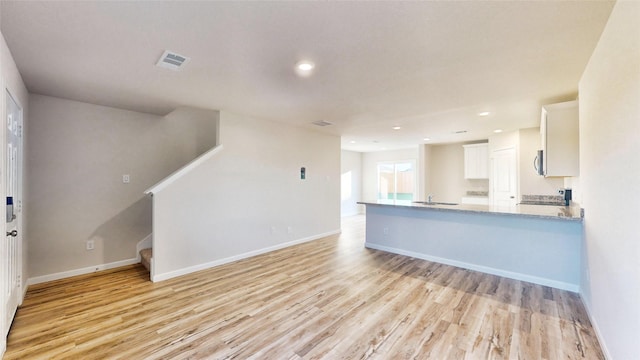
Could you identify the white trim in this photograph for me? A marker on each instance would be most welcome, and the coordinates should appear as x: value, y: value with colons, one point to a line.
x: 83, y: 271
x: 594, y: 324
x: 25, y: 288
x: 191, y: 269
x: 183, y: 170
x: 485, y: 269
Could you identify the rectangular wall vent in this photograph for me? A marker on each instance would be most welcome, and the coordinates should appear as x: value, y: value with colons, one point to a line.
x: 171, y: 60
x: 321, y: 123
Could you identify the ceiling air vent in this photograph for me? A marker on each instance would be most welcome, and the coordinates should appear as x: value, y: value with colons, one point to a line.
x: 321, y: 123
x: 171, y: 60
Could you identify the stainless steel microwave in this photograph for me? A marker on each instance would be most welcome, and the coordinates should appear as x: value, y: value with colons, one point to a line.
x: 538, y: 163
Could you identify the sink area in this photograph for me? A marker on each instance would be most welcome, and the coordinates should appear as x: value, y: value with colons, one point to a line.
x: 433, y: 203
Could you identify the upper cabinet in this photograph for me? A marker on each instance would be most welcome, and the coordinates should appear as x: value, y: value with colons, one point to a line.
x: 476, y: 161
x: 560, y: 139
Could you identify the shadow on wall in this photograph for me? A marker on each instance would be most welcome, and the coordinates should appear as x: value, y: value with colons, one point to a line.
x: 124, y: 230
x: 78, y: 156
x: 192, y: 132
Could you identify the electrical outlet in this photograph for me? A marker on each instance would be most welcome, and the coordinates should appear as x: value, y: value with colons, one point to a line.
x: 91, y: 245
x: 289, y: 230
x: 126, y: 179
x: 386, y: 231
x: 273, y: 230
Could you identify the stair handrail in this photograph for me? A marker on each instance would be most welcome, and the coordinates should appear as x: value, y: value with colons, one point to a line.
x: 183, y: 170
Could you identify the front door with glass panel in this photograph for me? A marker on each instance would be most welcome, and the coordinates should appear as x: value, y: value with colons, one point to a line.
x: 11, y: 248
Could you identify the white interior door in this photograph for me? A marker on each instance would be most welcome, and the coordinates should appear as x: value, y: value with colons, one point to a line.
x: 504, y: 177
x: 11, y: 247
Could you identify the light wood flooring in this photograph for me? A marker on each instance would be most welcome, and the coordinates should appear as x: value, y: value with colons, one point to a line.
x: 327, y: 299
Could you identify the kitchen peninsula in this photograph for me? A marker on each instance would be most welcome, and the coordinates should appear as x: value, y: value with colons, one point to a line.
x: 538, y: 244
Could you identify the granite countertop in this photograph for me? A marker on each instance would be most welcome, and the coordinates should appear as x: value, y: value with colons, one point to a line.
x: 543, y: 200
x: 556, y: 212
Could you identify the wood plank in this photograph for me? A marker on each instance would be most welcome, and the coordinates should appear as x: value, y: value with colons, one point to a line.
x: 326, y: 299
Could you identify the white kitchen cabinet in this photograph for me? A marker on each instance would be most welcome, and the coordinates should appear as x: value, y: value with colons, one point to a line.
x: 476, y: 161
x: 560, y: 139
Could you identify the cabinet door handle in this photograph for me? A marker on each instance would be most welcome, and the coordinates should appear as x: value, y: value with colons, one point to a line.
x: 13, y: 233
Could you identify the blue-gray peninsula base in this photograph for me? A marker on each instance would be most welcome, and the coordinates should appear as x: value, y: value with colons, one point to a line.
x: 537, y: 245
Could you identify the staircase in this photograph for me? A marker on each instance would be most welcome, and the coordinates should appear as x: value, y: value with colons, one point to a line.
x: 195, y: 136
x: 145, y: 258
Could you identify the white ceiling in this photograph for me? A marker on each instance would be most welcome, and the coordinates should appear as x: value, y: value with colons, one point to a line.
x: 429, y: 67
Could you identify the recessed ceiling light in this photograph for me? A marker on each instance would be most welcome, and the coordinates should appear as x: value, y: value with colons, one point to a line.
x: 352, y: 141
x: 396, y: 128
x: 426, y: 139
x: 497, y: 131
x: 305, y: 68
x: 383, y: 148
x: 484, y: 113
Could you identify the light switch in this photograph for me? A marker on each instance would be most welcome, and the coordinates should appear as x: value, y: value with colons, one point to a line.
x: 126, y: 179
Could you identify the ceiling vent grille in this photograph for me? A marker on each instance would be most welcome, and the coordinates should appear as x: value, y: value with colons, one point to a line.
x: 173, y: 61
x: 321, y: 123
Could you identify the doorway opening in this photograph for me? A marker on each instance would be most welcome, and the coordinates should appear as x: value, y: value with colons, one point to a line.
x: 397, y: 182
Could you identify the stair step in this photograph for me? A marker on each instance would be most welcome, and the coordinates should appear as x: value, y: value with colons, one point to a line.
x: 145, y: 256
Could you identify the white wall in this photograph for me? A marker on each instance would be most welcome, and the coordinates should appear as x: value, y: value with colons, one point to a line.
x: 446, y: 174
x: 370, y: 168
x: 609, y: 182
x: 530, y: 182
x: 77, y: 155
x: 351, y: 183
x: 445, y: 170
x: 424, y: 164
x: 248, y: 198
x: 504, y: 140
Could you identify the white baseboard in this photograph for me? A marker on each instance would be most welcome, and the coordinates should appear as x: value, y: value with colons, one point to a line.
x: 594, y: 324
x: 83, y: 271
x: 485, y: 269
x: 191, y: 269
